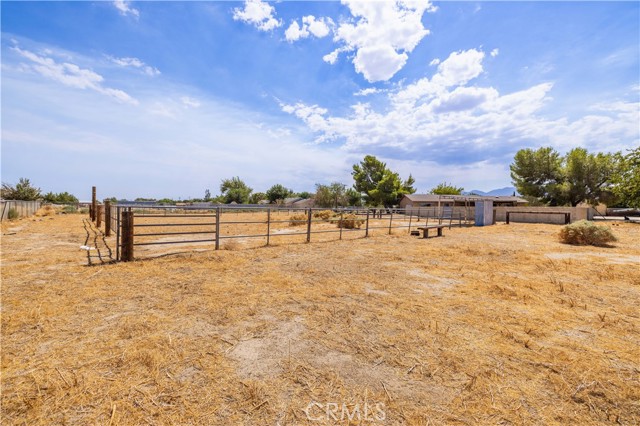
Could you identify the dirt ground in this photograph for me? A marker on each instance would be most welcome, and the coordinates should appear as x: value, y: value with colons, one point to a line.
x: 495, y: 325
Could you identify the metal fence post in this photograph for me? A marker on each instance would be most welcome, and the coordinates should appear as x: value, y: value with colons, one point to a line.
x: 117, y: 233
x: 127, y: 235
x: 217, y: 228
x: 309, y: 226
x: 107, y: 218
x: 366, y: 230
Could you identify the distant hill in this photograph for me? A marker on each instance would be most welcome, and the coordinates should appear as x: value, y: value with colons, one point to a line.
x: 507, y: 190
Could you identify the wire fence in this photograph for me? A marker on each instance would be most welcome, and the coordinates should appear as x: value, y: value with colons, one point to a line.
x: 150, y: 231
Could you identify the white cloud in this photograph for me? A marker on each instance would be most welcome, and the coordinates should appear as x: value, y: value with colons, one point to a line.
x: 135, y: 63
x: 71, y: 75
x: 434, y: 62
x: 190, y: 102
x: 257, y: 13
x: 495, y: 52
x: 368, y: 91
x: 382, y: 34
x: 125, y: 8
x: 452, y: 116
x: 318, y: 27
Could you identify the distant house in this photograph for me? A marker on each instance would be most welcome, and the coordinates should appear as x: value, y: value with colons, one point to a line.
x: 298, y: 202
x: 433, y: 200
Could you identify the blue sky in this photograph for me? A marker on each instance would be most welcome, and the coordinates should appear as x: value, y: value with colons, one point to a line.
x: 165, y: 99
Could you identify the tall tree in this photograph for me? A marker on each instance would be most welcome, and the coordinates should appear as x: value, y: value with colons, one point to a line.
x: 207, y: 195
x: 332, y: 195
x: 235, y: 190
x: 445, y: 188
x: 256, y: 197
x: 278, y: 192
x: 23, y: 190
x: 380, y: 185
x: 626, y: 180
x: 578, y: 176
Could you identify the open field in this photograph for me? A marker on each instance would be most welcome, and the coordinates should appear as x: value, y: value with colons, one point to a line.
x: 496, y: 325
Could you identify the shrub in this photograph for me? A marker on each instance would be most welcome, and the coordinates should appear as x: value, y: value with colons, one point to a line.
x: 13, y: 214
x: 584, y: 232
x: 297, y: 220
x: 323, y: 214
x: 349, y: 221
x: 69, y: 209
x: 47, y: 210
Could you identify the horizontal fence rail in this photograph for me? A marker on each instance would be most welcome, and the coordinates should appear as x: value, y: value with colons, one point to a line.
x: 197, y: 228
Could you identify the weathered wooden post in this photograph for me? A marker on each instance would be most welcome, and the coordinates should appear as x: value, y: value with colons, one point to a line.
x: 93, y: 204
x: 127, y: 236
x: 268, y: 224
x: 341, y: 222
x: 366, y: 230
x: 309, y: 225
x: 99, y: 216
x: 390, y: 221
x: 217, y: 228
x: 107, y: 218
x: 410, y: 217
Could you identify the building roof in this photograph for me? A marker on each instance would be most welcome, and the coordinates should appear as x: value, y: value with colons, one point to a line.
x: 434, y: 198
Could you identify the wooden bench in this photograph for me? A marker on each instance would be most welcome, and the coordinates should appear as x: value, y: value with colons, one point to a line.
x: 567, y: 215
x: 425, y: 230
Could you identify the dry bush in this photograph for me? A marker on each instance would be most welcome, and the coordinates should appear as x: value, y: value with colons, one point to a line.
x: 349, y: 221
x: 47, y: 210
x: 323, y: 214
x: 231, y: 245
x: 13, y: 214
x: 297, y: 220
x: 586, y: 233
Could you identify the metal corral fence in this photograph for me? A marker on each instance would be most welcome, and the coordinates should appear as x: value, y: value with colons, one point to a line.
x: 22, y: 208
x: 141, y: 230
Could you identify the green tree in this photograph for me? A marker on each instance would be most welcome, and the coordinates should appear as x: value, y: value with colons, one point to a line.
x: 578, y: 176
x: 256, y: 197
x: 207, y: 195
x: 278, y: 192
x: 331, y: 196
x: 305, y: 195
x: 380, y: 185
x: 23, y: 190
x: 166, y: 201
x: 445, y: 188
x: 626, y: 180
x: 61, y: 198
x: 235, y: 190
x: 354, y: 198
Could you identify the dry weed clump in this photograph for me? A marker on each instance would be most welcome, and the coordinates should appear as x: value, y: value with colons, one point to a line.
x: 297, y: 220
x: 47, y: 210
x: 349, y: 221
x: 585, y: 233
x: 323, y: 214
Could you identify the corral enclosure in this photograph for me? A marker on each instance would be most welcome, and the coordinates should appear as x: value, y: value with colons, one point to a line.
x: 493, y: 325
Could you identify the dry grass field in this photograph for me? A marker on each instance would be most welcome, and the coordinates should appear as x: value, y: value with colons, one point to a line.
x: 501, y: 325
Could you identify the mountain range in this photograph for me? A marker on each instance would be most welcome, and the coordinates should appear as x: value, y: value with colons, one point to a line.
x: 507, y: 190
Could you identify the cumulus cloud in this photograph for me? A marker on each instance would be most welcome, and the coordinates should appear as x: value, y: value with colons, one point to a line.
x: 318, y: 27
x: 448, y: 112
x: 71, y: 75
x: 382, y: 34
x: 258, y: 13
x: 135, y: 63
x: 125, y: 8
x: 367, y: 91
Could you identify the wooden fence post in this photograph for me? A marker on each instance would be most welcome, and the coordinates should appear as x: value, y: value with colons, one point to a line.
x: 342, y: 222
x: 366, y: 231
x: 410, y: 217
x: 309, y: 226
x: 99, y: 216
x: 268, y: 224
x: 127, y: 236
x: 93, y: 204
x: 217, y: 228
x: 390, y: 221
x: 107, y: 218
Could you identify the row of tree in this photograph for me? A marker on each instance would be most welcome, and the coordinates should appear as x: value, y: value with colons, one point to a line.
x: 578, y: 176
x: 24, y: 190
